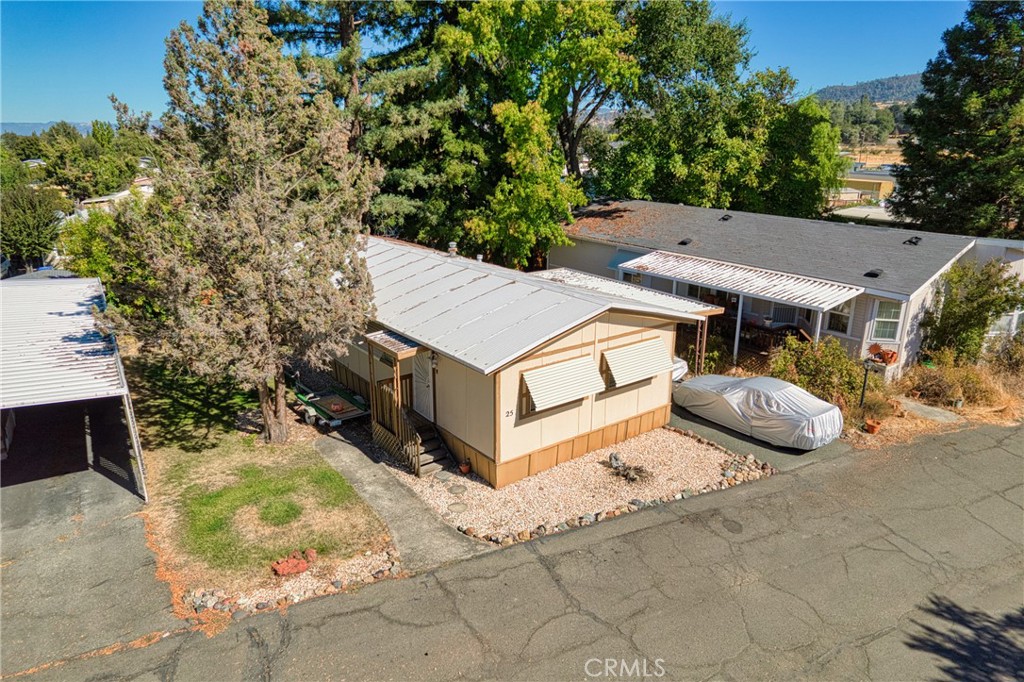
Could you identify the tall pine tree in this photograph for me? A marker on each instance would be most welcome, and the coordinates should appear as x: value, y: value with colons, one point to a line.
x: 964, y: 169
x: 252, y: 235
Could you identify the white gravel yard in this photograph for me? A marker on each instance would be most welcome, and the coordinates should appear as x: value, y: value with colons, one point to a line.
x: 574, y: 489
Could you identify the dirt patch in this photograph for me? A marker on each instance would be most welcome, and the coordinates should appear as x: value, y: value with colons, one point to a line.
x: 315, y: 520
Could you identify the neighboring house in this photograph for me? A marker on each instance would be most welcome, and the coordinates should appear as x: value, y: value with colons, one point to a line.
x: 1011, y: 252
x: 870, y: 215
x: 862, y: 285
x: 845, y: 197
x: 873, y: 185
x: 515, y: 372
x: 143, y: 186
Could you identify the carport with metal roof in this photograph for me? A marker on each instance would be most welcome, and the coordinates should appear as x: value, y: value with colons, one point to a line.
x: 52, y: 351
x: 745, y: 281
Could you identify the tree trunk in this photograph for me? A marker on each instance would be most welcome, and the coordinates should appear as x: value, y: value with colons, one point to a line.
x: 569, y: 141
x: 274, y: 410
x: 573, y: 157
x: 347, y: 33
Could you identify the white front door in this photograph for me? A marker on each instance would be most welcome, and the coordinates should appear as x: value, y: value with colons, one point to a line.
x: 423, y: 385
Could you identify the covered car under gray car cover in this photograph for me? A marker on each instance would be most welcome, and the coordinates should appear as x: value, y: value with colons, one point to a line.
x: 768, y: 409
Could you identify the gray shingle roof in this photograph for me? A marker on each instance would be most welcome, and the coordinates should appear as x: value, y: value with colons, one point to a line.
x: 813, y: 248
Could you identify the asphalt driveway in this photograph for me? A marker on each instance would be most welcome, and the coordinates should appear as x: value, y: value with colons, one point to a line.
x: 75, y: 571
x: 897, y: 564
x: 782, y: 459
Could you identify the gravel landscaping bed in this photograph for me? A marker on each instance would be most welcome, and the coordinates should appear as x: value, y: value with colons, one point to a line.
x: 585, y: 491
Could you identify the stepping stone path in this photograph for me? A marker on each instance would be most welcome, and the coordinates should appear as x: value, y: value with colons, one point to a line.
x: 457, y: 489
x: 457, y: 507
x: 443, y: 476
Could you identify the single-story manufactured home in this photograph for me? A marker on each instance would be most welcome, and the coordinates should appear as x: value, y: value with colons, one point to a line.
x: 514, y: 372
x: 861, y: 285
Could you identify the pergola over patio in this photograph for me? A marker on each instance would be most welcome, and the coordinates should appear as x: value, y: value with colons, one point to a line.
x: 745, y: 281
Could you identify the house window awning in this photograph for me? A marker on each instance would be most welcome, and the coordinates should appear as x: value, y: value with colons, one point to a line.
x: 638, y: 361
x: 779, y: 287
x: 563, y: 382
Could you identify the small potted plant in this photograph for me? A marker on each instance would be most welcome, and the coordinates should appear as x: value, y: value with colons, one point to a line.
x: 958, y: 397
x: 465, y: 467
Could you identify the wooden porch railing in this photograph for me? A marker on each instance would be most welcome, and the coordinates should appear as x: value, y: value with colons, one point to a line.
x: 394, y: 430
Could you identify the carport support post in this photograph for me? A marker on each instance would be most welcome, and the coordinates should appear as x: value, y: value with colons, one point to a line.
x: 817, y: 326
x: 133, y: 429
x: 88, y: 437
x: 736, y: 340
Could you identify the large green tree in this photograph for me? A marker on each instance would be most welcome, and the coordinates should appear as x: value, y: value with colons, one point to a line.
x: 696, y: 131
x: 445, y: 105
x: 570, y: 56
x: 964, y: 169
x: 251, y: 239
x: 30, y: 219
x: 103, y: 162
x: 525, y: 213
x: 861, y: 122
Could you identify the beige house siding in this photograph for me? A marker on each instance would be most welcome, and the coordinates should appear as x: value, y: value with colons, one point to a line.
x: 487, y: 428
x: 353, y: 370
x: 529, y: 437
x: 464, y: 405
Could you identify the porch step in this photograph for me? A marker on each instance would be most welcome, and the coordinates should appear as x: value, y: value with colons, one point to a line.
x: 435, y: 455
x: 426, y: 469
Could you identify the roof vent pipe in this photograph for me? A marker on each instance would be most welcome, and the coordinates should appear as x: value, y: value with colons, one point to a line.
x: 453, y: 249
x: 479, y: 258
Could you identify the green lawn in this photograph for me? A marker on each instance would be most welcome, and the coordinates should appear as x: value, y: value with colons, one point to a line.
x: 236, y: 503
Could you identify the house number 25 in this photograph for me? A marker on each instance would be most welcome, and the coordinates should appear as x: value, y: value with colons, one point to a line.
x: 510, y: 413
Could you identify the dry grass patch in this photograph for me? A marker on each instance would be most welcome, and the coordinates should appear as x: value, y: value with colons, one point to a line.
x: 224, y: 504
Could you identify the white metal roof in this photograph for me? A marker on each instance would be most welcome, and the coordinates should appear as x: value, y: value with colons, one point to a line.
x: 563, y: 382
x: 481, y: 315
x: 686, y: 307
x: 50, y: 348
x: 781, y: 287
x: 638, y: 361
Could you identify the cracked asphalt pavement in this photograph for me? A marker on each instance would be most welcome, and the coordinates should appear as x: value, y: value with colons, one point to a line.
x: 895, y: 564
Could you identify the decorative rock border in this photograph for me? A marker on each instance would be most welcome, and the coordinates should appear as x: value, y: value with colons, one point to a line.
x: 736, y: 469
x: 239, y: 606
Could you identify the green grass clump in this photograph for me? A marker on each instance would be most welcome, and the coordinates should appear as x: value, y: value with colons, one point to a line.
x: 209, y: 530
x: 280, y: 512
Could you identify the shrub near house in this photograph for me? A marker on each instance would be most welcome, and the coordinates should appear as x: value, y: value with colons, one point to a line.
x: 823, y: 369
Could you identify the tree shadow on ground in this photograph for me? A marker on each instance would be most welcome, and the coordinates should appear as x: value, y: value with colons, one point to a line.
x: 976, y: 646
x: 177, y: 409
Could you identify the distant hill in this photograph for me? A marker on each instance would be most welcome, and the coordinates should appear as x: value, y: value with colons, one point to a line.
x: 29, y: 128
x: 891, y: 89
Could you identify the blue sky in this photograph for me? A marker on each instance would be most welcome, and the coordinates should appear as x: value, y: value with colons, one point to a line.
x: 60, y: 60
